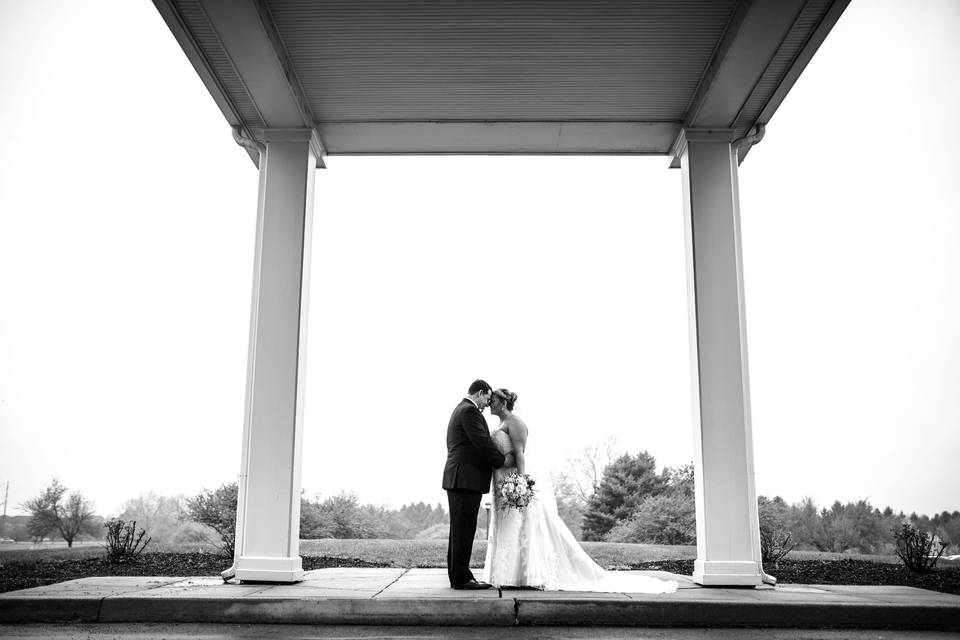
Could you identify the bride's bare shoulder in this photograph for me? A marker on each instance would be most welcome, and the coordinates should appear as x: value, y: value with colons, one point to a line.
x: 515, y: 423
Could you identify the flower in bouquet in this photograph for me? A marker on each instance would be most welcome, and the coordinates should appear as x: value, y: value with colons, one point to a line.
x: 516, y: 490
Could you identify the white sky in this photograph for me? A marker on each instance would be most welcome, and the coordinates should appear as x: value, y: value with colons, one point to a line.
x: 126, y: 248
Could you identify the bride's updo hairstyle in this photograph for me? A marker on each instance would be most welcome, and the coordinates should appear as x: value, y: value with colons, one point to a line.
x: 508, y: 397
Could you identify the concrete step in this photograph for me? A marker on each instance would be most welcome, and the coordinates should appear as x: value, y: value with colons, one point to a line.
x: 422, y: 597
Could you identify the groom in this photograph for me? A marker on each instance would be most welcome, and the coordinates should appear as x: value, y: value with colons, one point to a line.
x: 471, y: 457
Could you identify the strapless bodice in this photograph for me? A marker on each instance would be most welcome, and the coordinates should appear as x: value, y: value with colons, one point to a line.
x: 502, y: 439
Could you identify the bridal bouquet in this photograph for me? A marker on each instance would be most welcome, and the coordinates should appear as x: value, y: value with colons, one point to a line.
x: 516, y: 490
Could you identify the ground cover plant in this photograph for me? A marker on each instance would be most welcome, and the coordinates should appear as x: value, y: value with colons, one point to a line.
x: 124, y: 543
x: 917, y: 549
x: 21, y: 569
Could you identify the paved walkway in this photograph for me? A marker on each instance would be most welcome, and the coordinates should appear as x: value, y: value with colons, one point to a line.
x: 422, y: 597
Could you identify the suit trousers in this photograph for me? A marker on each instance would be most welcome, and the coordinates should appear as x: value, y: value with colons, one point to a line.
x: 464, y: 507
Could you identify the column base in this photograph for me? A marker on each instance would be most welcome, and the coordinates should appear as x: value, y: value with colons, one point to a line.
x: 250, y: 568
x: 724, y: 573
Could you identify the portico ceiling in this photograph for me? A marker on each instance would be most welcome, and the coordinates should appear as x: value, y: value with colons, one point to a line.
x: 499, y: 76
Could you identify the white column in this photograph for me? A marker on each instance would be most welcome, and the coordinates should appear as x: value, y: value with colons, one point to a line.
x: 268, y: 509
x: 728, y: 533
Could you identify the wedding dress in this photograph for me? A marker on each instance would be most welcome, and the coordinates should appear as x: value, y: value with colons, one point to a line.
x: 534, y: 548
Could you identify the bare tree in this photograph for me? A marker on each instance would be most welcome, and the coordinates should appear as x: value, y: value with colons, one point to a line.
x: 578, y: 478
x: 51, y: 511
x: 38, y: 527
x: 584, y: 469
x: 162, y: 516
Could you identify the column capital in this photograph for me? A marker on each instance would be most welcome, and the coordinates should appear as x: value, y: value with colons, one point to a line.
x: 696, y: 134
x: 295, y: 135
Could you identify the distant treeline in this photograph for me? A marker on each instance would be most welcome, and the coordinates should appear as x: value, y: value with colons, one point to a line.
x: 342, y: 516
x: 855, y: 526
x: 628, y: 501
x: 168, y: 520
x: 600, y: 497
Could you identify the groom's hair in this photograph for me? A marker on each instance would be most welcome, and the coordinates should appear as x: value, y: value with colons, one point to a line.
x: 479, y: 386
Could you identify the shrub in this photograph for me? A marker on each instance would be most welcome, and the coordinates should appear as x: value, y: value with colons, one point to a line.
x: 774, y: 539
x: 341, y: 516
x: 915, y: 548
x: 192, y: 534
x: 123, y: 542
x: 668, y: 518
x: 218, y: 510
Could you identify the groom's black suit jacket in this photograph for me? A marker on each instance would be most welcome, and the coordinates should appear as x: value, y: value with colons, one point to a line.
x: 471, y: 453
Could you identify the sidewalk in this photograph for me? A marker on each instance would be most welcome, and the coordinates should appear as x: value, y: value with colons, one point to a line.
x: 422, y: 597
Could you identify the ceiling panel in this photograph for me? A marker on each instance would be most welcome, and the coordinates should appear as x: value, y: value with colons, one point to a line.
x: 499, y: 76
x: 511, y: 61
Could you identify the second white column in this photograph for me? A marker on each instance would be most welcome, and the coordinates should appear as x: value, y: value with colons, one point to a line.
x: 268, y: 509
x: 728, y: 536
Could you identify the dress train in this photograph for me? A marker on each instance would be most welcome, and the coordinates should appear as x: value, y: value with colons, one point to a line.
x: 534, y: 548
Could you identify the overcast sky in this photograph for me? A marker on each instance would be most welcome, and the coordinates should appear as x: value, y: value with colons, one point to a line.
x: 126, y: 252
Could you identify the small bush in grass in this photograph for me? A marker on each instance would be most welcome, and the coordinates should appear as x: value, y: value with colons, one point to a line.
x: 124, y: 544
x: 915, y: 548
x: 774, y: 544
x: 774, y: 540
x: 669, y: 518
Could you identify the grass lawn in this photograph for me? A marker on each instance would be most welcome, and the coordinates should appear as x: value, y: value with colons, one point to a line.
x: 433, y: 553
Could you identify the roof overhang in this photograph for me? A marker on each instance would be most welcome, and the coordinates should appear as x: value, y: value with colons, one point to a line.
x: 502, y: 76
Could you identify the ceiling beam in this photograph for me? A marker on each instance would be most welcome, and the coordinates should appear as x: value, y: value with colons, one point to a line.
x: 411, y: 138
x: 742, y: 53
x: 753, y: 37
x: 247, y: 44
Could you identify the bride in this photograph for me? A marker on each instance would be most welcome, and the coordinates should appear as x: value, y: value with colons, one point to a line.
x: 532, y: 547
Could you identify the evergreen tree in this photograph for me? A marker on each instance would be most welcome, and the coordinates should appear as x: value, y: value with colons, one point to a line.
x: 626, y: 483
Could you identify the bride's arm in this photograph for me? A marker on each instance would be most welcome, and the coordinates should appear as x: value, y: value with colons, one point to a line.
x: 518, y: 436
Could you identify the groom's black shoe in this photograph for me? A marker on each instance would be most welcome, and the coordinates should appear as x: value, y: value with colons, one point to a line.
x: 473, y: 584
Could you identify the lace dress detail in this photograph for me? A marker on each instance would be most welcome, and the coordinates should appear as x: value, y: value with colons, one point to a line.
x: 534, y: 548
